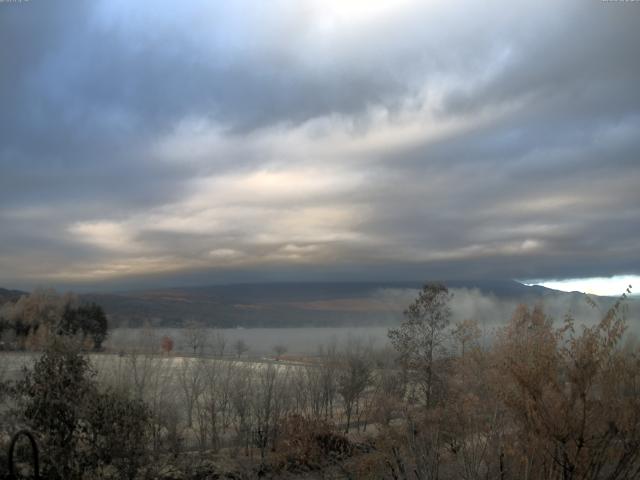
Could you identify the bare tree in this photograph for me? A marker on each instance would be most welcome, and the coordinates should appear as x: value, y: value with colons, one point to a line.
x: 473, y: 416
x: 214, y: 403
x: 328, y: 377
x: 263, y: 400
x: 142, y: 360
x: 241, y: 395
x: 388, y: 392
x: 279, y: 350
x: 152, y: 379
x: 354, y: 376
x: 190, y: 373
x: 303, y: 389
x: 219, y: 343
x: 422, y: 335
x: 195, y: 336
x: 241, y: 347
x: 466, y: 333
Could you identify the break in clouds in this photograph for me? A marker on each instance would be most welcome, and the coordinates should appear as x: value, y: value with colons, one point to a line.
x: 305, y: 140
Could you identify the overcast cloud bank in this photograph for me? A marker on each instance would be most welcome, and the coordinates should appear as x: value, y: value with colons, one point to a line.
x: 312, y: 140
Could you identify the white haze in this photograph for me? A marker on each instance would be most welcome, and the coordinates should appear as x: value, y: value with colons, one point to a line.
x: 490, y: 311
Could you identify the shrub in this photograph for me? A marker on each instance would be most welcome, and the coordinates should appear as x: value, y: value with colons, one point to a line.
x: 307, y: 443
x: 80, y: 429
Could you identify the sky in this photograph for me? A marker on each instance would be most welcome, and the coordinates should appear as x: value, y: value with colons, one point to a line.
x: 201, y: 142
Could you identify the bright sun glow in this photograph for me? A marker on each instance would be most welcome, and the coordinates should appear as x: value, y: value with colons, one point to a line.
x: 358, y: 10
x: 612, y: 286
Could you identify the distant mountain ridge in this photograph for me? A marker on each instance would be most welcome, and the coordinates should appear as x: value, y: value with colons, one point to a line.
x: 290, y: 304
x: 288, y: 291
x: 282, y: 304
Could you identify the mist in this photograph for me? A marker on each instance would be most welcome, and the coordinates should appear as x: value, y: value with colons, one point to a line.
x: 490, y: 311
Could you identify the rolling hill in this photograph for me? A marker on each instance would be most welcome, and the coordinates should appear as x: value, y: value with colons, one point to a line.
x: 282, y: 304
x: 314, y: 304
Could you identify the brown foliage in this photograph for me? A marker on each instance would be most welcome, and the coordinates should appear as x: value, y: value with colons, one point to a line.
x: 574, y: 398
x: 544, y: 402
x: 166, y: 344
x: 308, y: 443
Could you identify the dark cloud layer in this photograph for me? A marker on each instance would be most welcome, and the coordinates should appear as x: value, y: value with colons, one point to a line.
x: 313, y: 140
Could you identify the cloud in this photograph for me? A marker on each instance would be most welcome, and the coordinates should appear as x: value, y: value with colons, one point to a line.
x: 492, y: 312
x: 318, y: 139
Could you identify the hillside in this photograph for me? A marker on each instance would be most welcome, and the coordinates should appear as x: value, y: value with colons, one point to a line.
x: 316, y: 304
x: 284, y: 304
x: 10, y: 295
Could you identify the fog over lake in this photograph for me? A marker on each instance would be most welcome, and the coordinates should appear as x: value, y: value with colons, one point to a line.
x: 490, y: 312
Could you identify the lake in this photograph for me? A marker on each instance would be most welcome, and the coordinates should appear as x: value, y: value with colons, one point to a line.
x: 303, y: 340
